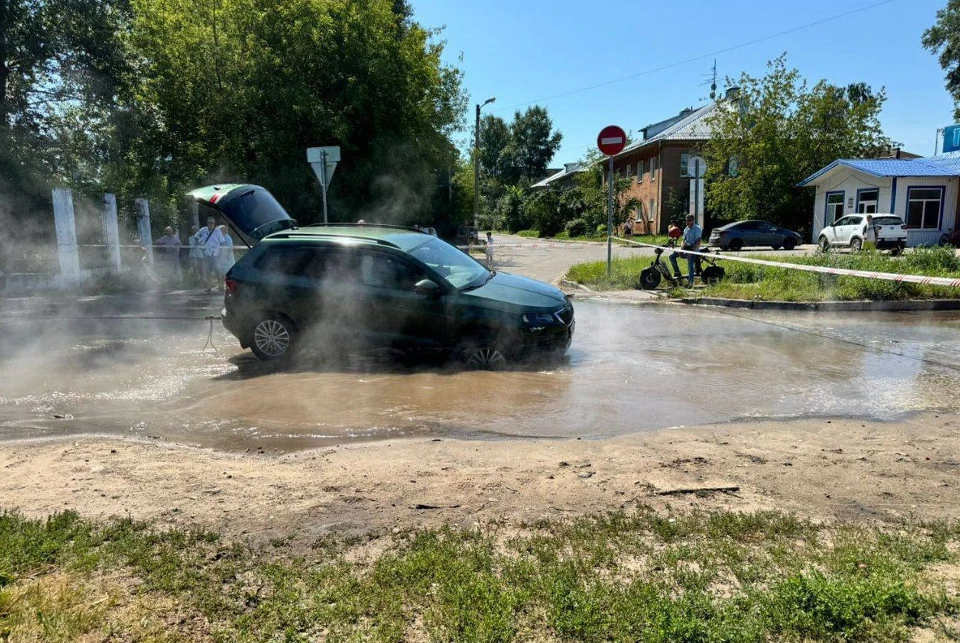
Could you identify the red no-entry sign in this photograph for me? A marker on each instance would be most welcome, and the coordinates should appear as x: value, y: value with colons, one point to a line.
x: 611, y: 140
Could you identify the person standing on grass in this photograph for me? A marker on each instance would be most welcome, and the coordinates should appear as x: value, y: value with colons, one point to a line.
x: 870, y: 235
x: 210, y: 240
x: 489, y: 250
x: 692, y: 236
x: 168, y: 247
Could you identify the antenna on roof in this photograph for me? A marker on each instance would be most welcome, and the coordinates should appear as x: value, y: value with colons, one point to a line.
x: 711, y: 79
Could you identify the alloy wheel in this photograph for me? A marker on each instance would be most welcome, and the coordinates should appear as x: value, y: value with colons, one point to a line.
x: 486, y: 358
x: 272, y: 337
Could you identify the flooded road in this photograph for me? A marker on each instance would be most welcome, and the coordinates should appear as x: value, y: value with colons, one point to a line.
x: 630, y: 369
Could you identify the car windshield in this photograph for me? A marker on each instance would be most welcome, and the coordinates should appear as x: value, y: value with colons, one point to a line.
x: 455, y: 266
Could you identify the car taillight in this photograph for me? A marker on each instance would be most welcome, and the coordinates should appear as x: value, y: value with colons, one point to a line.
x: 231, y: 286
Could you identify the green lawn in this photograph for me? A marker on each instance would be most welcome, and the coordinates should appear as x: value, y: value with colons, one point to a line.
x: 621, y: 577
x: 747, y: 281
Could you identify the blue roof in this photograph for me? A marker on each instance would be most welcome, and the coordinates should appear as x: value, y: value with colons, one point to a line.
x: 944, y: 165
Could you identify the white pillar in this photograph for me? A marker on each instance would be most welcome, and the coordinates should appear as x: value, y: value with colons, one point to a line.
x: 111, y: 232
x: 143, y: 226
x: 66, y: 227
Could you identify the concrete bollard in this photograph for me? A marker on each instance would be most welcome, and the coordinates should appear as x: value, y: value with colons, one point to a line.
x: 111, y: 231
x: 143, y: 226
x: 66, y: 226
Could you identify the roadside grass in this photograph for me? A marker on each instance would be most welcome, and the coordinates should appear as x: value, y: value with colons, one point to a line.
x: 622, y: 576
x: 748, y: 281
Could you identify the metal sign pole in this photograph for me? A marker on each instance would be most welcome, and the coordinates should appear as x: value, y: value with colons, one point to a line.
x: 610, y: 220
x: 323, y: 181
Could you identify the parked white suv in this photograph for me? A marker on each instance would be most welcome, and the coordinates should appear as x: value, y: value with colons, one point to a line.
x: 849, y: 232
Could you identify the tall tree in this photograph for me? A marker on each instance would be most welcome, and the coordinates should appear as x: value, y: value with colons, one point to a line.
x: 494, y: 139
x: 943, y: 39
x: 239, y: 88
x: 533, y: 142
x: 779, y: 131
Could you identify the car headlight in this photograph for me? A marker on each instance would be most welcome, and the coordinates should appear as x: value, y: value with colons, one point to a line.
x: 539, y: 319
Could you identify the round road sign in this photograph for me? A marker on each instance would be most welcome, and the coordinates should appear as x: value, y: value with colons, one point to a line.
x: 611, y: 140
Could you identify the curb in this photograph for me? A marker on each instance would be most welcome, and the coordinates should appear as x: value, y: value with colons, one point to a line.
x: 828, y: 306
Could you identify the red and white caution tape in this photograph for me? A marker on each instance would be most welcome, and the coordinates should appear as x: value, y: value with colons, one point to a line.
x: 951, y: 282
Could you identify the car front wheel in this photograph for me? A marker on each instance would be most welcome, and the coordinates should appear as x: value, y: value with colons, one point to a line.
x: 823, y: 245
x: 273, y: 337
x: 736, y: 245
x: 789, y: 243
x: 482, y: 353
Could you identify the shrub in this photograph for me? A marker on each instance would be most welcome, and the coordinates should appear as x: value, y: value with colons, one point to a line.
x: 576, y: 228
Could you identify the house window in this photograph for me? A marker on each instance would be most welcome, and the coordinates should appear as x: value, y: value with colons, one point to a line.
x: 640, y: 171
x: 923, y: 207
x: 834, y: 207
x: 867, y: 200
x: 652, y: 210
x: 653, y: 168
x: 629, y: 171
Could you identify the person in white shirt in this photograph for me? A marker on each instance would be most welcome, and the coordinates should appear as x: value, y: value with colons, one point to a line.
x: 692, y: 235
x: 489, y: 250
x: 210, y: 240
x: 227, y: 258
x: 870, y: 234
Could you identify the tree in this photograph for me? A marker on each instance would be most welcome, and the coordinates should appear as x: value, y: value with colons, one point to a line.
x: 777, y: 133
x: 531, y: 146
x: 494, y: 139
x: 943, y: 39
x: 237, y: 89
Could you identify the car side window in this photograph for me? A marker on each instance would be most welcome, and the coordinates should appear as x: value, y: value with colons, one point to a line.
x: 284, y: 260
x: 843, y: 221
x: 748, y: 225
x: 382, y: 271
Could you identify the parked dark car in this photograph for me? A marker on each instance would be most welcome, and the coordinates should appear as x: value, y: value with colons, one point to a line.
x: 740, y: 234
x: 376, y: 286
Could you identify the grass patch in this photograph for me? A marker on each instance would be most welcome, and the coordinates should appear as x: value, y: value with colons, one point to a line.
x: 748, y: 281
x: 637, y: 576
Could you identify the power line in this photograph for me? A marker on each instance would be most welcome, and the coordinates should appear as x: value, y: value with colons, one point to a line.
x: 701, y: 56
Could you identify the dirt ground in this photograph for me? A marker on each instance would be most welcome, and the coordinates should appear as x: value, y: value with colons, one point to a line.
x: 824, y: 469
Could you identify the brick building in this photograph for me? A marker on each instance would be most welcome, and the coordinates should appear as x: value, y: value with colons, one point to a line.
x: 662, y: 166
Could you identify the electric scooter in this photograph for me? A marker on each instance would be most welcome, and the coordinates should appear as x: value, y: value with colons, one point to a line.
x: 659, y: 269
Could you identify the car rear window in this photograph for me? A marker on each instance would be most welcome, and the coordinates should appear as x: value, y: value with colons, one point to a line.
x: 888, y: 220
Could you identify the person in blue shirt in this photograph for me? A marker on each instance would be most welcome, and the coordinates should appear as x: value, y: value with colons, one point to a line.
x: 692, y: 235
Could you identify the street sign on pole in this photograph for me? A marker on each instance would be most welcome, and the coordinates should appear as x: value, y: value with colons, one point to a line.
x: 611, y: 141
x: 324, y: 161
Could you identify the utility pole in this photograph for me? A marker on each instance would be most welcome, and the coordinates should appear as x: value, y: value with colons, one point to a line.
x: 476, y: 165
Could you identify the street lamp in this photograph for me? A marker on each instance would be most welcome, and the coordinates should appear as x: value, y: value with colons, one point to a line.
x: 476, y: 165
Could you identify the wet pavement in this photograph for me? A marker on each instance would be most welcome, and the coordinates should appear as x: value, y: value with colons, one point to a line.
x: 631, y: 369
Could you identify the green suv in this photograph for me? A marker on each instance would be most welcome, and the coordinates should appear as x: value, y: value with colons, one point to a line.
x: 375, y: 286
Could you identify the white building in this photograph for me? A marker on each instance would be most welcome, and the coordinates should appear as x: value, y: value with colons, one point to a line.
x: 922, y: 191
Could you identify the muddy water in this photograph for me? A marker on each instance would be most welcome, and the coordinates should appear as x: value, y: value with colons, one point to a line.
x: 630, y: 369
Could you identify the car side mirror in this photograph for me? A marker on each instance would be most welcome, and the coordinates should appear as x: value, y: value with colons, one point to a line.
x: 427, y: 287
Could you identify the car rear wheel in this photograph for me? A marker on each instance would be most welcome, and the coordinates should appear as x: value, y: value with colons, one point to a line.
x: 736, y: 245
x: 273, y: 337
x: 823, y: 245
x: 649, y: 279
x: 856, y: 244
x: 789, y: 243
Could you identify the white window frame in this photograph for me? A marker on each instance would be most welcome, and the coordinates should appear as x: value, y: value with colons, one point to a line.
x: 640, y: 171
x: 653, y: 168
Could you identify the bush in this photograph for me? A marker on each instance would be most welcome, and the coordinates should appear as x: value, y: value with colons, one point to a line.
x: 602, y: 229
x: 576, y: 228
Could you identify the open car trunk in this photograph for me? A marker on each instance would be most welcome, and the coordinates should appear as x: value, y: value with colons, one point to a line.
x: 250, y: 210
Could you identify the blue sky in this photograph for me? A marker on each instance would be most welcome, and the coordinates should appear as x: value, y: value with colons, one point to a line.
x: 522, y: 51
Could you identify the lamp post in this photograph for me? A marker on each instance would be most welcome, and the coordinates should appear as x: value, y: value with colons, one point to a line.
x: 476, y: 165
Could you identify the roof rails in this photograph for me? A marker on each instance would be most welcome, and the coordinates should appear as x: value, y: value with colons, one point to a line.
x: 364, y: 225
x: 293, y: 234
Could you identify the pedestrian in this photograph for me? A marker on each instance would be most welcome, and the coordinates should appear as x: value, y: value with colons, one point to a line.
x: 168, y: 247
x: 227, y: 258
x: 210, y: 240
x: 870, y: 235
x: 489, y: 250
x: 196, y: 254
x: 691, y: 236
x: 627, y: 228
